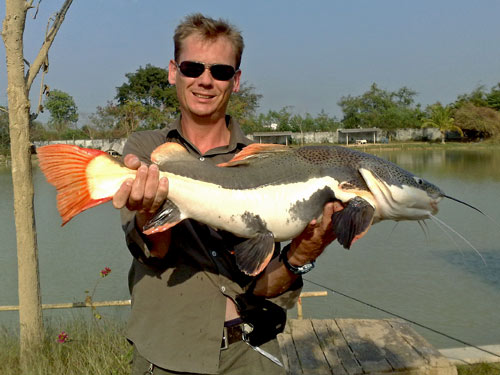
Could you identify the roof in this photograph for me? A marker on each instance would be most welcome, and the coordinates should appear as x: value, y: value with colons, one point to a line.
x: 271, y: 134
x: 362, y: 130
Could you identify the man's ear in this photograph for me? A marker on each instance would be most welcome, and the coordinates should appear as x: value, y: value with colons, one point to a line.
x: 236, y: 78
x: 172, y: 72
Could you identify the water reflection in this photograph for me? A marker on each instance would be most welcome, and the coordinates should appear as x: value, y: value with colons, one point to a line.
x: 487, y: 271
x: 466, y: 164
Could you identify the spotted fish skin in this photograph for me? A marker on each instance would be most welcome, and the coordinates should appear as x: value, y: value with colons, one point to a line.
x: 287, y: 188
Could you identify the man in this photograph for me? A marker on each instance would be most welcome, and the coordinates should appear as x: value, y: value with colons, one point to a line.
x: 190, y: 301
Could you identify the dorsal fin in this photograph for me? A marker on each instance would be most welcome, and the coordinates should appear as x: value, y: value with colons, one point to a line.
x: 254, y: 151
x: 168, y: 152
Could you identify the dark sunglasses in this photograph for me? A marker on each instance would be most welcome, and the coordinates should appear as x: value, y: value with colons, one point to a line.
x: 193, y: 69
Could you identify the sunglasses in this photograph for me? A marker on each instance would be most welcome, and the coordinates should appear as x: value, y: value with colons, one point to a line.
x: 193, y: 69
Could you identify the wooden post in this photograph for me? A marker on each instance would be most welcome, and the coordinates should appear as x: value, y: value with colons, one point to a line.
x: 300, y: 314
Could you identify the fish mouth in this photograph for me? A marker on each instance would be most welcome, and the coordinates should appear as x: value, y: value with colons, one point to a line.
x: 434, y: 205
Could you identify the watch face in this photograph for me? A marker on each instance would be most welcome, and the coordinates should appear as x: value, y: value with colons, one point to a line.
x: 296, y: 270
x: 305, y: 268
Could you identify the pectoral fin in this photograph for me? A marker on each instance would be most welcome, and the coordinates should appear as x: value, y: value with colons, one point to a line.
x: 352, y: 223
x: 165, y: 218
x: 254, y: 254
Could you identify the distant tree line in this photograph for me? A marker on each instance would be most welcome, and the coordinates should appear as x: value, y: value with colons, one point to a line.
x: 146, y: 100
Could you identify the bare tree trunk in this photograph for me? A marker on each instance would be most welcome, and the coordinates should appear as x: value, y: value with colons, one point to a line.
x: 30, y: 311
x: 19, y: 84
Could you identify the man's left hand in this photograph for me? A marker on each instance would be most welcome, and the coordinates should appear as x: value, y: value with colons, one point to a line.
x: 315, y: 238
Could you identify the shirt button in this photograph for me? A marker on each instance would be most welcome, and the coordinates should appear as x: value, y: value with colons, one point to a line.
x: 222, y: 289
x: 202, y: 158
x: 214, y: 253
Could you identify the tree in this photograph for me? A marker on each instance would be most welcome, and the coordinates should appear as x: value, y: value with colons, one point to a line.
x: 493, y: 98
x: 381, y: 108
x: 20, y: 82
x: 150, y: 88
x: 63, y: 110
x: 244, y: 103
x: 478, y: 122
x: 441, y: 117
x: 477, y: 97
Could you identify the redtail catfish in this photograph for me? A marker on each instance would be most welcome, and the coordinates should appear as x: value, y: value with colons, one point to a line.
x: 266, y: 193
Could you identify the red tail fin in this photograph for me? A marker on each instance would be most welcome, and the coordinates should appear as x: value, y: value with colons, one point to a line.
x: 65, y: 167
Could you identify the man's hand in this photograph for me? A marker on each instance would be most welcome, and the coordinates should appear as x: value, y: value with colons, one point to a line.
x: 315, y: 238
x: 305, y: 248
x: 144, y: 194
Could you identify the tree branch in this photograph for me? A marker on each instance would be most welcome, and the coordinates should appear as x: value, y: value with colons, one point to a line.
x: 49, y: 39
x: 37, y: 8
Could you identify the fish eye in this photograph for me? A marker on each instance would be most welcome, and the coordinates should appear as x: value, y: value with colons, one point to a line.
x: 418, y: 180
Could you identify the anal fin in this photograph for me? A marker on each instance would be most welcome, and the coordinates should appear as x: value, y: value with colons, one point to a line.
x: 351, y: 223
x: 165, y: 218
x: 254, y: 254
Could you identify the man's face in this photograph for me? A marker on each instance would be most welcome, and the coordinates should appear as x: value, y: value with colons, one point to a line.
x: 204, y: 97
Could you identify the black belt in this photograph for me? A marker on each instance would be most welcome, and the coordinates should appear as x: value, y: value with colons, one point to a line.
x: 231, y: 335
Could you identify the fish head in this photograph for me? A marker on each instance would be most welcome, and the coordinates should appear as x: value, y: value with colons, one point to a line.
x: 400, y: 195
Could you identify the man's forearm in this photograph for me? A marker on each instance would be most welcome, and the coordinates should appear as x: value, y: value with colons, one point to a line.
x: 275, y: 280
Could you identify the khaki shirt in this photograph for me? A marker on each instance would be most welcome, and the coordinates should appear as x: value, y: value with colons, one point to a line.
x: 179, y: 302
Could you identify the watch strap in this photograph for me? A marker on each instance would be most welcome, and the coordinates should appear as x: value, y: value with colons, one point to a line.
x: 297, y: 270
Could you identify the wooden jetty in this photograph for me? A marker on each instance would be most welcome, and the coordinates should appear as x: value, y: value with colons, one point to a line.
x: 358, y: 346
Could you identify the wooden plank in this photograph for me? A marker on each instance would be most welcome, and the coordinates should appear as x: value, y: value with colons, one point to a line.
x: 397, y: 351
x: 344, y: 352
x: 358, y: 334
x: 289, y: 354
x: 431, y: 355
x: 329, y: 344
x: 311, y: 357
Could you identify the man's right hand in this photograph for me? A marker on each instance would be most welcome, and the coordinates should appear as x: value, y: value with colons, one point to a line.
x: 144, y: 194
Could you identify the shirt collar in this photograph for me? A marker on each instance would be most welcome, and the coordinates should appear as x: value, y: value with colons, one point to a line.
x: 237, y: 139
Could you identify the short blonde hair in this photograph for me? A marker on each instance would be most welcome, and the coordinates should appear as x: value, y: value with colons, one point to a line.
x: 208, y: 28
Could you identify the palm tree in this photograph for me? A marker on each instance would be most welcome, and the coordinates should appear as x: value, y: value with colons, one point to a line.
x: 441, y: 118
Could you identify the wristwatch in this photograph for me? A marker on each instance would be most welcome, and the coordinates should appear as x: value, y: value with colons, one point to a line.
x: 297, y: 270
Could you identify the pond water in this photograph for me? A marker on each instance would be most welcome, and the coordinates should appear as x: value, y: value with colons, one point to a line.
x: 432, y: 277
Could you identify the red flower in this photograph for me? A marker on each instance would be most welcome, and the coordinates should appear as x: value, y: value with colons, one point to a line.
x: 62, y: 337
x: 105, y: 272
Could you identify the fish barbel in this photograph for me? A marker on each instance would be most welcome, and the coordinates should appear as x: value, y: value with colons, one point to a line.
x: 266, y: 193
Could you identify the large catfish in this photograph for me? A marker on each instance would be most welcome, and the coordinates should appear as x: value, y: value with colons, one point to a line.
x: 266, y: 193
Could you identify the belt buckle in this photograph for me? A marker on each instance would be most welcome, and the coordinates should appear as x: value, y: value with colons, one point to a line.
x: 225, y: 339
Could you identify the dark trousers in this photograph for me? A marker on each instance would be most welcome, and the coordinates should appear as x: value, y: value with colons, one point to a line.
x: 237, y: 359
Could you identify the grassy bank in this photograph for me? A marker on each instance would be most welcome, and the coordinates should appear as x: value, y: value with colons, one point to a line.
x: 479, y: 369
x: 100, y: 348
x: 83, y: 348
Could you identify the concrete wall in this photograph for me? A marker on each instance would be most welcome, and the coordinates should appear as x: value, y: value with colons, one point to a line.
x: 402, y: 135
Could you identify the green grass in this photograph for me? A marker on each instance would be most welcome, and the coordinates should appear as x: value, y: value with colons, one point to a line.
x: 93, y: 348
x: 479, y: 369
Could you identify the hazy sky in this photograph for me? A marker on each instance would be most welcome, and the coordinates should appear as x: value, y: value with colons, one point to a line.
x: 304, y: 54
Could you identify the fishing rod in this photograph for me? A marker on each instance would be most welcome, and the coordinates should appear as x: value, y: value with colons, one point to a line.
x: 403, y: 318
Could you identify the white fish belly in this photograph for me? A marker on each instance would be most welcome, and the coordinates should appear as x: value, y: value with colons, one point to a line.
x: 247, y: 212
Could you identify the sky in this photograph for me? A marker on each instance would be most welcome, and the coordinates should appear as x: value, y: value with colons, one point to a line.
x: 303, y: 54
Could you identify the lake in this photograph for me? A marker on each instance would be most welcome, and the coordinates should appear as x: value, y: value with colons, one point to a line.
x: 428, y: 275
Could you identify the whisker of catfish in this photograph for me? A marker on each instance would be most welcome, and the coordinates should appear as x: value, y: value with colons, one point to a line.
x: 459, y: 235
x: 474, y: 208
x: 443, y: 228
x: 393, y: 229
x: 423, y: 225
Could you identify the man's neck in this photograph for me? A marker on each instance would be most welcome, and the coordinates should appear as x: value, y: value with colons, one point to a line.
x: 206, y: 135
